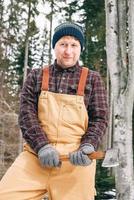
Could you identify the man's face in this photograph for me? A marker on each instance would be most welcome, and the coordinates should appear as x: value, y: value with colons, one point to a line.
x: 67, y: 51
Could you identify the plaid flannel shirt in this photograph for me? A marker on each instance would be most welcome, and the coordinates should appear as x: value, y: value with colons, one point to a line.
x: 63, y: 81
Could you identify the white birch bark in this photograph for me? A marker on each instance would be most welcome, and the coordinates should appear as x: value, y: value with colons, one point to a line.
x: 122, y: 88
x: 131, y: 70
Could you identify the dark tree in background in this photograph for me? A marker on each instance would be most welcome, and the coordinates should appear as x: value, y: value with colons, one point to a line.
x: 93, y: 20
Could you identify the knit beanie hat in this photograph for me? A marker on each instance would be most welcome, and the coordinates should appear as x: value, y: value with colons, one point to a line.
x: 68, y: 29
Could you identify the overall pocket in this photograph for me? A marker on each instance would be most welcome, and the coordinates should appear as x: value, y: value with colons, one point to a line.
x: 72, y: 114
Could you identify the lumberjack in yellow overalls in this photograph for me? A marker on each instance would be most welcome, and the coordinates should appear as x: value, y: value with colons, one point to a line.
x: 64, y: 120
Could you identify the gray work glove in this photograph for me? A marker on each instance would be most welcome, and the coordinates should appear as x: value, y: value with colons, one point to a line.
x: 80, y: 157
x: 49, y: 156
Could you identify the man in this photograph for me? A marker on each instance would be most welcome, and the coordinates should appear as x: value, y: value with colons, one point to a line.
x: 63, y: 111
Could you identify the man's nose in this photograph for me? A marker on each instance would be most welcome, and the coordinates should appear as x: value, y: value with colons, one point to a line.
x: 68, y: 49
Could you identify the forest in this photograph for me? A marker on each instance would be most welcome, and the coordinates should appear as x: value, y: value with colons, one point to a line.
x: 26, y: 29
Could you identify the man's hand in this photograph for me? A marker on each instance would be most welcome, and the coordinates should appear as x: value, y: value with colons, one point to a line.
x: 49, y: 156
x: 80, y: 156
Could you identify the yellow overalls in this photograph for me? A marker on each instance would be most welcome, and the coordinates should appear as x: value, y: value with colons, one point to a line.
x: 64, y: 118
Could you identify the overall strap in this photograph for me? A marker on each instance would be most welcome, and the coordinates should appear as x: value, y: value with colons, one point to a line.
x: 82, y: 81
x: 81, y: 85
x: 45, y: 79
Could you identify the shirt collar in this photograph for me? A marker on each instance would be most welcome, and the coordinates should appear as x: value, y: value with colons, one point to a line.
x: 58, y: 68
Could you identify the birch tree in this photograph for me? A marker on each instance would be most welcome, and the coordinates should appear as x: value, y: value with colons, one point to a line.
x: 120, y: 62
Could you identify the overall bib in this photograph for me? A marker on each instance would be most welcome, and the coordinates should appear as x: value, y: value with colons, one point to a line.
x: 64, y: 119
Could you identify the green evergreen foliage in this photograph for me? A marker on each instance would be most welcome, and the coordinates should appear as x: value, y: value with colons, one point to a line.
x: 105, y: 183
x: 19, y: 63
x: 93, y: 19
x: 71, y: 9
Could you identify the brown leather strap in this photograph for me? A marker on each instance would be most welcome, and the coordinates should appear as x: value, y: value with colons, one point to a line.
x: 45, y: 78
x: 82, y: 81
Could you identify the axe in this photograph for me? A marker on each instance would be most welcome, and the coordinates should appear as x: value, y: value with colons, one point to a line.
x: 110, y: 157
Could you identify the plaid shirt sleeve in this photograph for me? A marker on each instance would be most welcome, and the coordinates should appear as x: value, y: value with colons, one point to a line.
x: 97, y: 112
x: 28, y: 115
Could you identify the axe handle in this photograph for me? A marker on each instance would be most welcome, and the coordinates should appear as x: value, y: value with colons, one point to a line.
x: 95, y: 155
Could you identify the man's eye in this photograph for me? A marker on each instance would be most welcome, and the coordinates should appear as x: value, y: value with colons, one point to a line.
x: 74, y: 45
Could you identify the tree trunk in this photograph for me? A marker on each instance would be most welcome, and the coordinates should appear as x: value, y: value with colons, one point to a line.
x: 25, y: 66
x: 122, y: 81
x: 27, y: 43
x: 50, y: 37
x: 131, y: 72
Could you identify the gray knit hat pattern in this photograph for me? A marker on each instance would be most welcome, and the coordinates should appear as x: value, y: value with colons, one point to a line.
x: 68, y: 29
